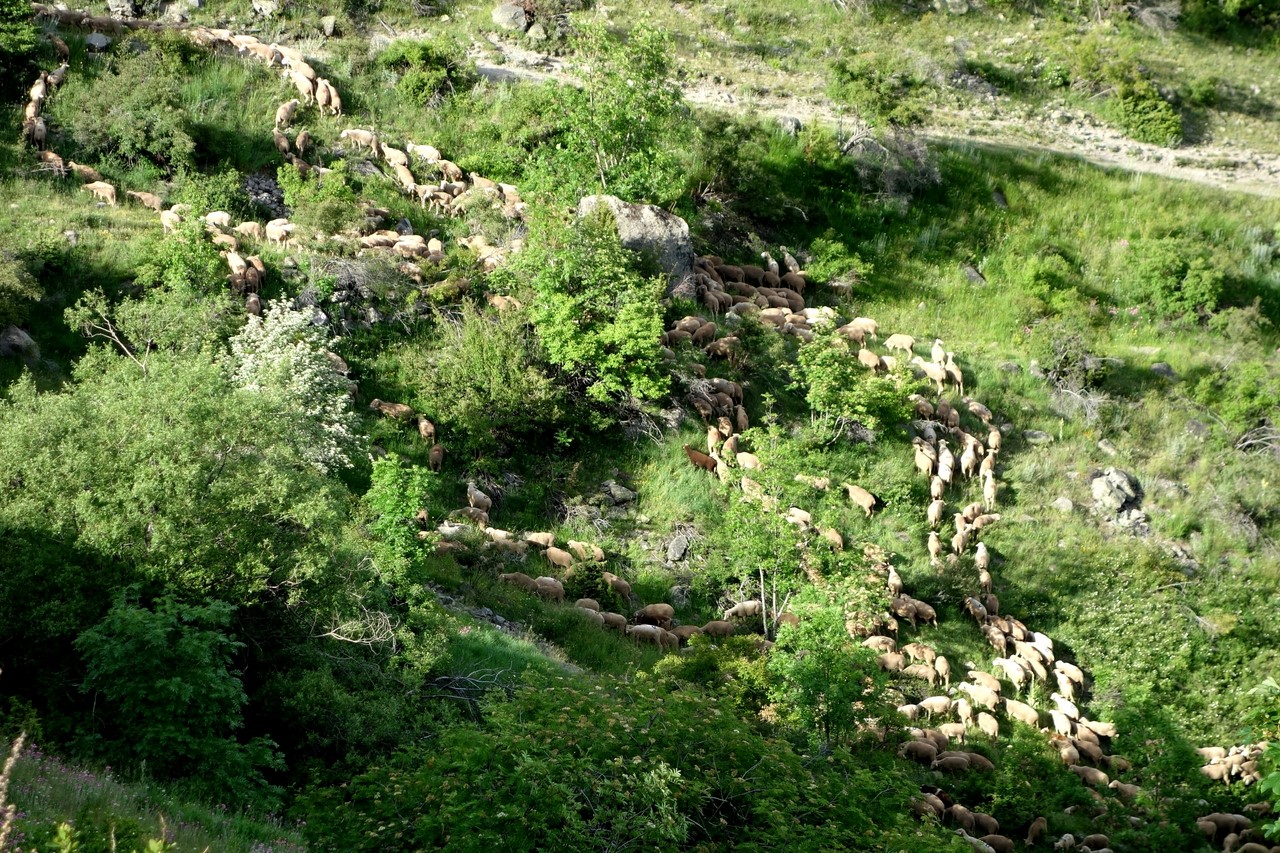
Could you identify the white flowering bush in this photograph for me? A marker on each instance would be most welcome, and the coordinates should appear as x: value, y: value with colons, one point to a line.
x: 282, y: 355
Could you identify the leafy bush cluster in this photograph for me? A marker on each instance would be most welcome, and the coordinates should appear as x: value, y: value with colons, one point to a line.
x: 1133, y: 102
x: 19, y: 290
x: 324, y: 202
x: 882, y: 94
x: 835, y: 383
x: 18, y: 42
x: 428, y: 70
x: 1173, y: 275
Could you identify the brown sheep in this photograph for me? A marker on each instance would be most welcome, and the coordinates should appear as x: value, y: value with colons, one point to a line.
x: 478, y: 517
x: 655, y: 614
x: 743, y: 609
x: 863, y: 498
x: 1090, y: 775
x: 684, y: 632
x: 718, y: 628
x: 102, y: 190
x: 558, y: 557
x: 1097, y: 841
x: 986, y: 824
x: 998, y: 843
x: 961, y: 816
x: 645, y: 633
x: 618, y: 585
x: 542, y: 540
x: 892, y: 662
x: 521, y: 580
x: 588, y: 603
x: 988, y: 725
x: 398, y: 411
x: 550, y: 589
x: 917, y: 750
x: 699, y: 459
x: 880, y: 644
x: 615, y: 622
x: 950, y: 764
x: 1036, y: 831
x: 1022, y: 712
x: 478, y: 499
x: 435, y: 457
x: 923, y: 672
x: 427, y: 430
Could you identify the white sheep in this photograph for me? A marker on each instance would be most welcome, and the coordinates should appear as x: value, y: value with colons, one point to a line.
x: 743, y: 609
x: 906, y: 343
x: 285, y: 112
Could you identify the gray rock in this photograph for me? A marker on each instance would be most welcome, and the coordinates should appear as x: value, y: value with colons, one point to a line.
x: 1115, y: 490
x: 1107, y: 447
x: 123, y: 8
x: 678, y: 596
x: 509, y: 16
x: 1198, y: 428
x: 1036, y: 437
x: 15, y: 342
x: 790, y: 125
x: 649, y: 230
x: 195, y: 4
x: 617, y: 494
x: 677, y: 548
x: 72, y: 237
x: 1010, y: 367
x: 1035, y: 369
x: 1063, y: 505
x: 97, y: 41
x: 266, y: 8
x: 1162, y: 369
x: 329, y: 24
x: 404, y: 226
x: 536, y: 33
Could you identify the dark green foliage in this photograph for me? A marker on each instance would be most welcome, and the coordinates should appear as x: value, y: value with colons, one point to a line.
x: 19, y: 290
x: 170, y: 697
x: 1143, y: 113
x: 1242, y: 396
x: 568, y: 764
x: 215, y: 191
x: 429, y: 71
x: 482, y: 380
x: 880, y: 95
x: 837, y: 384
x: 18, y: 42
x: 325, y: 202
x: 131, y: 112
x: 1175, y: 276
x: 597, y: 317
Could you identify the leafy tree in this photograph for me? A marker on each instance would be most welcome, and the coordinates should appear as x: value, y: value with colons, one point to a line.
x: 824, y: 682
x: 836, y: 384
x: 282, y: 356
x: 18, y: 290
x: 175, y: 705
x: 18, y: 42
x: 618, y: 128
x: 1175, y: 276
x: 483, y: 378
x: 173, y: 474
x: 428, y: 71
x: 598, y: 318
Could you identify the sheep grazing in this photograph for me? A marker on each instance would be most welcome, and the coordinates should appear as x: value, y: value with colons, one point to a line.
x: 285, y: 113
x: 398, y: 411
x: 360, y: 138
x: 905, y: 343
x: 880, y: 644
x: 1090, y: 775
x: 478, y: 499
x: 169, y: 221
x: 870, y: 360
x: 521, y: 580
x: 102, y: 190
x: 85, y: 173
x: 718, y: 628
x: 1022, y: 712
x: 655, y: 614
x: 435, y: 457
x: 935, y: 373
x: 699, y: 459
x: 743, y: 610
x: 863, y: 498
x: 916, y: 750
x: 550, y: 589
x: 150, y: 200
x: 618, y: 585
x: 614, y: 622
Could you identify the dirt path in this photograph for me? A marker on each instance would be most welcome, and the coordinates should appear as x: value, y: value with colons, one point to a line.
x: 1060, y: 131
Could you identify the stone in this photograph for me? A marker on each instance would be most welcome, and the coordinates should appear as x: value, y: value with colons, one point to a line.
x: 677, y: 548
x: 195, y: 4
x: 1107, y: 447
x: 1115, y: 490
x: 1035, y: 369
x: 678, y: 596
x: 1036, y: 437
x: 123, y: 8
x: 1162, y: 369
x: 404, y: 227
x: 329, y: 24
x: 97, y: 41
x: 72, y: 237
x: 1063, y: 505
x: 509, y: 16
x: 1198, y: 428
x: 790, y: 125
x: 15, y: 342
x: 1010, y: 367
x: 536, y: 33
x: 617, y: 494
x: 649, y: 230
x: 266, y: 8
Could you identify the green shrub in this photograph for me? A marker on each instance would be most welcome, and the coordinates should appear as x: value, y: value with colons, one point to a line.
x: 1143, y: 113
x: 1241, y: 396
x: 837, y: 384
x: 324, y: 202
x: 429, y: 71
x: 217, y: 191
x: 879, y: 90
x: 132, y: 111
x: 18, y: 43
x: 19, y: 290
x: 1173, y: 275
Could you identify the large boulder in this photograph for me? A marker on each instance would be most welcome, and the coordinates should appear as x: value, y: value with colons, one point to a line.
x: 17, y: 343
x: 509, y: 16
x: 650, y: 230
x: 1115, y: 490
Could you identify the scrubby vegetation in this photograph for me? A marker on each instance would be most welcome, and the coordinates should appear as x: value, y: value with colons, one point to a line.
x: 241, y: 591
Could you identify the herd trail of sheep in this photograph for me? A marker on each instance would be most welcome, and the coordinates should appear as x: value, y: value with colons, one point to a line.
x: 1025, y: 659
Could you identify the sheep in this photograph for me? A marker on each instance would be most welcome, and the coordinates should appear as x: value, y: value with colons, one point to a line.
x: 911, y: 712
x: 1037, y: 829
x: 592, y: 616
x: 1061, y: 722
x: 85, y: 173
x: 906, y: 343
x: 360, y: 138
x: 305, y: 86
x: 475, y: 516
x: 988, y: 725
x: 923, y: 672
x: 169, y: 220
x: 933, y: 372
x: 863, y: 498
x: 1090, y: 776
x: 281, y: 142
x: 870, y: 360
x: 895, y: 587
x: 881, y: 644
x: 890, y: 661
x: 749, y: 461
x: 1095, y: 842
x: 1065, y: 706
x: 1066, y: 686
x: 550, y: 589
x: 998, y: 843
x: 920, y: 652
x: 396, y: 411
x: 478, y: 499
x: 943, y: 668
x: 982, y: 696
x: 542, y: 540
x: 558, y: 557
x: 916, y: 750
x: 435, y: 457
x: 285, y: 112
x: 978, y: 845
x: 684, y: 632
x: 425, y: 153
x: 956, y: 376
x: 249, y: 229
x: 951, y: 763
x: 1087, y: 749
x: 648, y: 633
x: 1217, y: 772
x: 743, y: 609
x: 1074, y: 673
x: 1022, y: 712
x: 1066, y: 842
x: 521, y: 580
x: 588, y: 603
x: 618, y: 585
x: 935, y: 705
x: 935, y: 512
x: 718, y: 628
x: 1014, y: 671
x: 699, y: 459
x: 614, y: 622
x: 102, y: 190
x: 253, y: 304
x: 655, y: 614
x: 937, y: 487
x: 1128, y: 793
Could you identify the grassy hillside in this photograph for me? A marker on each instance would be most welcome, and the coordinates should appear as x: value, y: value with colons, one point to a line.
x: 229, y: 578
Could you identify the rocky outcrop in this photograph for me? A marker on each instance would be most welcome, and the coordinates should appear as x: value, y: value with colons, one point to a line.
x: 650, y: 230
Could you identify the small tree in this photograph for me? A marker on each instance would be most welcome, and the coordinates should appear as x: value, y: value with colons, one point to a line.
x: 282, y: 354
x: 18, y: 41
x: 837, y: 385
